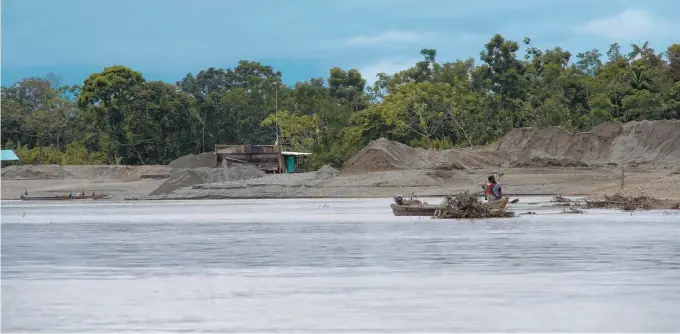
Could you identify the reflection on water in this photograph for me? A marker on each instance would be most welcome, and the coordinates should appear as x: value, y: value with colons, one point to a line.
x: 332, y: 265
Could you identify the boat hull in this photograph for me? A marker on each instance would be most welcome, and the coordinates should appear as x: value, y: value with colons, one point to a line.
x: 424, y: 209
x: 414, y: 209
x: 61, y: 198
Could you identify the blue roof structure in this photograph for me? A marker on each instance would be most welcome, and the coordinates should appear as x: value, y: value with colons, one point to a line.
x: 8, y: 155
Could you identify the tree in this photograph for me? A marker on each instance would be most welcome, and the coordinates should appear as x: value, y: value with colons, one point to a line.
x: 432, y: 103
x: 302, y: 131
x: 673, y: 69
x: 348, y: 87
x: 107, y: 95
x: 589, y: 62
x: 34, y: 112
x: 161, y: 123
x: 614, y: 53
x: 639, y: 51
x: 503, y: 75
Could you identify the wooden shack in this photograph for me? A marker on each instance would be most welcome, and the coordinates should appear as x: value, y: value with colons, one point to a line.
x: 267, y: 158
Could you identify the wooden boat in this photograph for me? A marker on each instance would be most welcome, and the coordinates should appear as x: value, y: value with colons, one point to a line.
x: 62, y: 197
x: 414, y: 207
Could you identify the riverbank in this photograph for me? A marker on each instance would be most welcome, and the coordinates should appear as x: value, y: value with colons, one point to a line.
x: 527, y: 161
x: 517, y: 181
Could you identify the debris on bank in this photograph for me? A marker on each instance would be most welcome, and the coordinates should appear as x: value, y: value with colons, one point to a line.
x: 631, y: 203
x: 560, y: 199
x: 467, y: 205
x: 573, y: 210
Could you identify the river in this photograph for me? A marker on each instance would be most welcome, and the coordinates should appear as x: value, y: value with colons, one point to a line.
x: 332, y: 265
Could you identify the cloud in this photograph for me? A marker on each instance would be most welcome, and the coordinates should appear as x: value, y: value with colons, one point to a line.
x: 628, y: 25
x: 387, y: 66
x: 394, y: 36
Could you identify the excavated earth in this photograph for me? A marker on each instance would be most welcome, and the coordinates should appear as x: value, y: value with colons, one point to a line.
x: 528, y: 161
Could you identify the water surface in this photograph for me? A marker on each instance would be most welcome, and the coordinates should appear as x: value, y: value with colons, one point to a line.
x: 332, y: 265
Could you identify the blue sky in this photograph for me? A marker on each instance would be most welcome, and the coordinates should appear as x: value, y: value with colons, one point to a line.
x: 166, y: 39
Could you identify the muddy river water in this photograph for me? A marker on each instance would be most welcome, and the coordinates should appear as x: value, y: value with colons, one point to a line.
x: 333, y: 265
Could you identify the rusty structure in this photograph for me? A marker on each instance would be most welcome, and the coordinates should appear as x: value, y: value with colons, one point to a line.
x: 267, y: 158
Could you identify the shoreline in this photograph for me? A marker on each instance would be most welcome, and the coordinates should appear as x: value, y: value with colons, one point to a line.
x: 582, y: 182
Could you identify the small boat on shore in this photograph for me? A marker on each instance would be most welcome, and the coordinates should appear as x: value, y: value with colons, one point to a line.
x: 414, y: 207
x: 62, y: 197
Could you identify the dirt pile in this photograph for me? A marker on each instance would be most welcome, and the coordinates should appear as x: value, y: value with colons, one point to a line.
x: 109, y: 172
x: 386, y: 155
x: 206, y: 160
x: 326, y: 172
x: 35, y: 172
x: 149, y: 172
x: 241, y: 172
x: 664, y: 188
x: 184, y: 178
x: 180, y: 178
x: 57, y: 172
x: 653, y: 143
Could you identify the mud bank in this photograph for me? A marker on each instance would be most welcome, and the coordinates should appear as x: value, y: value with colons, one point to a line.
x: 528, y: 161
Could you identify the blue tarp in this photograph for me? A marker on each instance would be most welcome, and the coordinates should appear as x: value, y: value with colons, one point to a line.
x: 8, y: 155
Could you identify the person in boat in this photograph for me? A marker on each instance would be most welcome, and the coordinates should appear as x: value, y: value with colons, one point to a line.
x: 493, y: 191
x: 488, y: 188
x: 70, y: 194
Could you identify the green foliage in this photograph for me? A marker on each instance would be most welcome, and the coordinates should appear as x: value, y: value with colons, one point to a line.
x: 75, y: 154
x: 302, y: 131
x: 118, y: 117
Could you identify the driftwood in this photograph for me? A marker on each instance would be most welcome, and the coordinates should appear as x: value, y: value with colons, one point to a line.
x: 631, y: 203
x: 560, y: 199
x: 573, y: 210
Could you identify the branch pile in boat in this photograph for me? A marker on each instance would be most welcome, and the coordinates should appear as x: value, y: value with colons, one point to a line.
x: 467, y: 205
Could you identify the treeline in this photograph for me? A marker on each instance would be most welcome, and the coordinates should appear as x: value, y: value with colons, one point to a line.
x: 117, y: 117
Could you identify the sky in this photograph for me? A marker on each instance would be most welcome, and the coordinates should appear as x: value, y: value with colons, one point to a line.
x: 166, y: 39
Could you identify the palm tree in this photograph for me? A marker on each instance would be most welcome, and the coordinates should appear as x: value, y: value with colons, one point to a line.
x: 640, y: 51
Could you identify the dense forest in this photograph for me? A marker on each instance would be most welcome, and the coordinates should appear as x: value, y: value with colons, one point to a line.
x: 117, y: 117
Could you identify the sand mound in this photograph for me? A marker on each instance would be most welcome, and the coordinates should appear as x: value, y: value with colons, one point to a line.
x: 654, y: 143
x: 386, y: 155
x: 537, y: 159
x: 35, y: 172
x: 206, y: 159
x: 241, y: 172
x: 326, y: 172
x: 180, y: 178
x: 664, y: 188
x: 649, y: 143
x: 149, y: 172
x: 99, y: 171
x: 81, y: 172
